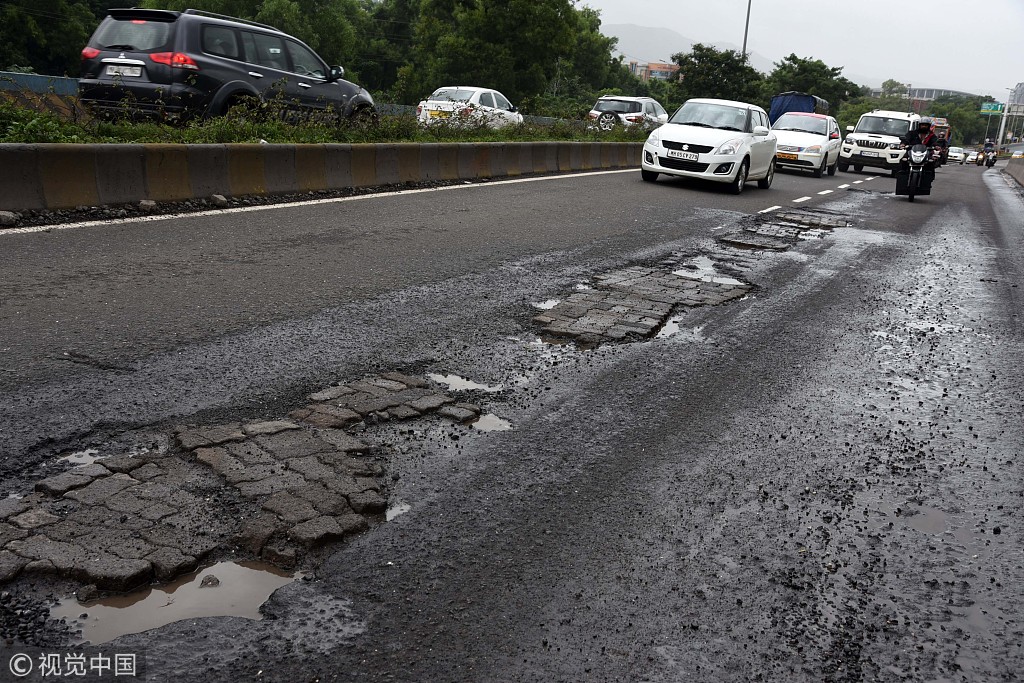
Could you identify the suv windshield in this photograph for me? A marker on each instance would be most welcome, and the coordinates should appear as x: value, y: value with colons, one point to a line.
x: 803, y: 124
x: 708, y: 115
x: 881, y: 125
x: 617, y: 106
x: 131, y: 34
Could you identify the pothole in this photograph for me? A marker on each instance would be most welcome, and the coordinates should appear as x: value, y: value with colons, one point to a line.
x: 456, y: 383
x: 235, y: 590
x: 491, y: 423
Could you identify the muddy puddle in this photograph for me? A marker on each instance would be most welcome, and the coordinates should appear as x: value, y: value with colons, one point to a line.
x: 238, y: 590
x: 703, y: 268
x: 456, y: 383
x: 86, y: 457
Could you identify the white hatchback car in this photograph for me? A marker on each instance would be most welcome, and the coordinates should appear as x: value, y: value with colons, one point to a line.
x: 718, y: 140
x: 956, y: 155
x: 468, y: 106
x: 808, y: 142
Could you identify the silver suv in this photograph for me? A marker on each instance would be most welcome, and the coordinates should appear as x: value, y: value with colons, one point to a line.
x: 614, y: 110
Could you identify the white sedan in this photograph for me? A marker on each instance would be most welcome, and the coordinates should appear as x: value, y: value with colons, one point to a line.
x: 466, y: 105
x: 809, y: 142
x: 718, y: 140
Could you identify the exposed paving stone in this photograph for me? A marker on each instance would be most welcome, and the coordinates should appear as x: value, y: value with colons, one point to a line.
x: 122, y: 543
x: 190, y: 439
x: 312, y: 468
x: 9, y: 533
x: 99, y: 516
x: 752, y: 240
x: 164, y: 535
x: 265, y: 487
x: 342, y: 485
x: 407, y: 380
x: 156, y: 511
x: 325, y: 502
x: 369, y: 386
x: 352, y: 523
x: 595, y: 315
x: 62, y: 483
x: 350, y: 465
x: 169, y: 563
x: 101, y: 489
x: 316, y: 531
x: 10, y: 565
x: 367, y: 501
x: 430, y: 402
x: 64, y: 557
x: 123, y: 463
x: 281, y: 556
x: 403, y: 412
x: 113, y: 573
x: 91, y: 470
x: 287, y: 445
x: 269, y: 427
x: 13, y: 506
x: 330, y: 393
x: 33, y: 519
x: 456, y: 413
x: 322, y: 415
x: 147, y: 472
x: 255, y: 532
x: 342, y: 441
x: 290, y: 508
x: 388, y: 384
x: 251, y: 453
x: 254, y: 473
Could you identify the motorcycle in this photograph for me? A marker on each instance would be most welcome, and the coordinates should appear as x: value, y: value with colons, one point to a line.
x: 990, y: 159
x: 980, y: 161
x: 916, y: 172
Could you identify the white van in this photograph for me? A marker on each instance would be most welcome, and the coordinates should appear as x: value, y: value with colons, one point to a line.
x: 876, y: 139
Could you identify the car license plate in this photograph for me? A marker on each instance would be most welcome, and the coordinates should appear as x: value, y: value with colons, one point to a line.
x: 791, y: 157
x: 440, y: 114
x: 677, y: 154
x: 869, y: 154
x: 116, y: 70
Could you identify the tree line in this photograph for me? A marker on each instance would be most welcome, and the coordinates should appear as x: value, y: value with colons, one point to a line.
x: 548, y: 56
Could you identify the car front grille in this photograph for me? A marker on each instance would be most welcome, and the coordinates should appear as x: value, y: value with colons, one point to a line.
x: 788, y: 148
x: 682, y: 165
x: 872, y: 144
x: 697, y: 149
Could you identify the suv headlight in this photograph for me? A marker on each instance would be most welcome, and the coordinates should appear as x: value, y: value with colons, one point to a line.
x: 731, y: 147
x: 850, y: 141
x: 894, y: 145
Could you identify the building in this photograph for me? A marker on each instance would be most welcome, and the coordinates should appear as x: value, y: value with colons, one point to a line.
x: 927, y: 94
x: 659, y: 71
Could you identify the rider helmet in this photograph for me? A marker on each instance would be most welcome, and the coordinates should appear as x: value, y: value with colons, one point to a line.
x: 924, y: 124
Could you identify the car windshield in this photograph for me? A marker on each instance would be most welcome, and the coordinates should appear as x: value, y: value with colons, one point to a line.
x: 452, y: 94
x: 882, y: 125
x: 709, y: 115
x: 617, y: 106
x: 132, y: 34
x: 803, y: 124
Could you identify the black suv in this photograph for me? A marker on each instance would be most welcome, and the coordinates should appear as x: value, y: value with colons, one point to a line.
x: 176, y: 65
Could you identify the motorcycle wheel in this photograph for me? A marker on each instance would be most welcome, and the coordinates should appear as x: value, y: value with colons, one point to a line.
x: 912, y: 182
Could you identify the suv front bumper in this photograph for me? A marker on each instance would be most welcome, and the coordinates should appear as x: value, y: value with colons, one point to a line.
x: 877, y: 158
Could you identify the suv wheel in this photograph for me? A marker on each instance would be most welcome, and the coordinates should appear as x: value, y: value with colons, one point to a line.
x: 736, y: 186
x: 607, y: 120
x: 844, y: 167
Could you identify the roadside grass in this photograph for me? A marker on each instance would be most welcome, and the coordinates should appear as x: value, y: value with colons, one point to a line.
x: 20, y: 124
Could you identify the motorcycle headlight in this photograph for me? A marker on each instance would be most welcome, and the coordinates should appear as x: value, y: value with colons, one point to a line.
x: 813, y: 149
x: 731, y: 147
x: 918, y: 157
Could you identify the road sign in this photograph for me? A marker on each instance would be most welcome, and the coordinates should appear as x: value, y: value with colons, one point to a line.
x: 991, y: 108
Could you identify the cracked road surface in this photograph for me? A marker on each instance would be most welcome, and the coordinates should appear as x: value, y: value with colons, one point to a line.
x: 810, y: 472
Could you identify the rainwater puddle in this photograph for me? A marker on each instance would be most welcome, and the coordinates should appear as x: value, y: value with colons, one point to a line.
x: 456, y: 383
x: 705, y: 272
x: 86, y: 457
x: 547, y: 305
x: 671, y: 328
x: 243, y: 588
x: 396, y: 510
x: 492, y: 423
x: 921, y: 518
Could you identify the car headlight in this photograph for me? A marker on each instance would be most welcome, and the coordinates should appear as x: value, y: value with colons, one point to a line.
x: 731, y: 147
x: 653, y: 139
x: 813, y: 149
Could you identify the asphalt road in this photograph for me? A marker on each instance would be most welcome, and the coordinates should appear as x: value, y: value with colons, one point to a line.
x: 818, y: 482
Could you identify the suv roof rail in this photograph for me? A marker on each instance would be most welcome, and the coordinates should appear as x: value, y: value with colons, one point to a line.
x: 204, y: 13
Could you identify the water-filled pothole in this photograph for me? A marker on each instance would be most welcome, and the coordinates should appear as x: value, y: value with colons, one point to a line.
x: 492, y: 423
x: 239, y: 591
x: 397, y: 509
x: 704, y: 270
x: 86, y: 457
x: 547, y: 305
x: 456, y: 383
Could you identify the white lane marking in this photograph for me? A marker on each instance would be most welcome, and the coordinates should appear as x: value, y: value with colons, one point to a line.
x: 857, y: 182
x: 844, y: 186
x: 289, y: 205
x: 802, y: 199
x: 769, y: 209
x: 826, y: 192
x: 871, y: 177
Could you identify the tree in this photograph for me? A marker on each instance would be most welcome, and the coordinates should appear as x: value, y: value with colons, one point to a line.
x: 47, y: 35
x: 723, y: 74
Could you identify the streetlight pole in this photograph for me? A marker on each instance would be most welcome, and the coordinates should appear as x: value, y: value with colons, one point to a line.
x: 746, y: 29
x: 1002, y: 123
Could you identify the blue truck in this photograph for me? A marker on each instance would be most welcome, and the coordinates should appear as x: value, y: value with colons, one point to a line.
x: 796, y: 101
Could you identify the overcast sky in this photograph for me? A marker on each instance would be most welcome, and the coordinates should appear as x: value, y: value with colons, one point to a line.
x: 866, y: 37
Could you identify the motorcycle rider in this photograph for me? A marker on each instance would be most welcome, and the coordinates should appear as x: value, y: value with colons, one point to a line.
x: 922, y: 135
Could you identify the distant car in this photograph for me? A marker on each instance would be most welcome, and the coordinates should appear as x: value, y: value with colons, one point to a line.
x: 808, y: 142
x: 176, y: 65
x: 610, y: 111
x: 718, y: 140
x: 956, y: 155
x: 1019, y: 154
x: 468, y: 105
x: 972, y: 157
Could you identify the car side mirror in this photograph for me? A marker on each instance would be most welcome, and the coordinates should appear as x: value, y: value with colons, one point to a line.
x: 760, y: 131
x: 513, y: 108
x: 834, y: 136
x: 849, y: 129
x: 337, y: 73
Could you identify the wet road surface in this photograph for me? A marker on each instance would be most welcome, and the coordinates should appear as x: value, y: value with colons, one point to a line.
x: 814, y: 481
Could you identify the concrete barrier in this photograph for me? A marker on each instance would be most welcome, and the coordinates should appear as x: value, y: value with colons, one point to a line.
x: 60, y: 176
x: 1015, y: 167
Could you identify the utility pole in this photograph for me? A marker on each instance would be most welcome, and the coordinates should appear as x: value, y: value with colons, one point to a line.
x: 1002, y: 122
x: 746, y: 29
